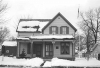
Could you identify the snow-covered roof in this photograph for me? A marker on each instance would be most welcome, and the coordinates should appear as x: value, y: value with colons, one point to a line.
x: 21, y: 38
x: 30, y: 24
x: 50, y: 36
x: 9, y: 43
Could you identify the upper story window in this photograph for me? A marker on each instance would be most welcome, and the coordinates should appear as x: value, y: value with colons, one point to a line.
x: 53, y: 30
x: 64, y: 30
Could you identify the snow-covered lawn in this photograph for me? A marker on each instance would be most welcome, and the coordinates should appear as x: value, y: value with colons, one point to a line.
x: 77, y: 63
x: 36, y: 62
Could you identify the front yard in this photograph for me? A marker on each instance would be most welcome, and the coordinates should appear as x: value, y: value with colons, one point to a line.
x: 55, y: 62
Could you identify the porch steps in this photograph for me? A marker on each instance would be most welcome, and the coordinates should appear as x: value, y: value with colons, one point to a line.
x: 47, y: 60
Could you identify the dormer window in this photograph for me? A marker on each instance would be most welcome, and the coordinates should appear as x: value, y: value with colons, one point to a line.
x: 64, y: 30
x: 53, y: 30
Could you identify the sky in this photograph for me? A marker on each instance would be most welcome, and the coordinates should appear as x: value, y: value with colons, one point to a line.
x: 45, y: 9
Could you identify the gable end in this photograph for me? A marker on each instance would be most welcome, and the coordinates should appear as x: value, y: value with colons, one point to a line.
x: 59, y: 14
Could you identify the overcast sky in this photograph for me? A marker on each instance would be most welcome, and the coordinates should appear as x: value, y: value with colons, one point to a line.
x: 41, y: 9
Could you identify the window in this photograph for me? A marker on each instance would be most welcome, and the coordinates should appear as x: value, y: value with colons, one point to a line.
x: 53, y: 30
x: 48, y: 50
x: 64, y: 30
x: 65, y: 48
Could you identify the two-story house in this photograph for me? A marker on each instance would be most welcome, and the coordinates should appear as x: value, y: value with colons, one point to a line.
x: 46, y: 38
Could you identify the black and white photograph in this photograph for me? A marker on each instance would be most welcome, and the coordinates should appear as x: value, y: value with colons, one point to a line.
x: 49, y: 33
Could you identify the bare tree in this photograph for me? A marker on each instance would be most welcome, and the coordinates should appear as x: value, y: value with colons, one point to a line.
x: 3, y: 8
x: 3, y: 30
x: 79, y: 42
x: 4, y: 33
x: 90, y: 24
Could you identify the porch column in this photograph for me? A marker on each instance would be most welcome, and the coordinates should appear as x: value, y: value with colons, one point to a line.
x: 17, y: 49
x: 43, y: 49
x: 53, y: 42
x: 31, y: 49
x: 73, y: 50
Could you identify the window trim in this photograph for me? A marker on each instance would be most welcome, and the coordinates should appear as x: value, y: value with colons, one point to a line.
x: 61, y: 30
x: 64, y: 45
x: 56, y: 30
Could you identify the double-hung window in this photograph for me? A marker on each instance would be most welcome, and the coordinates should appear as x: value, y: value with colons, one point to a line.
x: 64, y: 30
x: 53, y: 30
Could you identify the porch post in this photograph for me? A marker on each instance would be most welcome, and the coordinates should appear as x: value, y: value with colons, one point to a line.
x: 31, y: 49
x: 17, y: 49
x: 73, y: 50
x: 43, y: 49
x: 53, y: 42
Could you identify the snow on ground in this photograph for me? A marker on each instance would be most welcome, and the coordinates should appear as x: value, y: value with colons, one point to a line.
x: 36, y: 62
x: 78, y: 62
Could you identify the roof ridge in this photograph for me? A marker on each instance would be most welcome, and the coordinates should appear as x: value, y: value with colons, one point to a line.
x: 35, y: 20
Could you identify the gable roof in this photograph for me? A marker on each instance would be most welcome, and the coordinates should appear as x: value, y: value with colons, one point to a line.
x: 59, y: 14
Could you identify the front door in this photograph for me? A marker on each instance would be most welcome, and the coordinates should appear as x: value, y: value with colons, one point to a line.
x: 48, y: 50
x: 38, y: 50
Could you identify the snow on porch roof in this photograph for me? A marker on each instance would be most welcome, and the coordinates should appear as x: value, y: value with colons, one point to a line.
x: 31, y: 23
x: 9, y: 43
x: 52, y: 36
x: 21, y: 38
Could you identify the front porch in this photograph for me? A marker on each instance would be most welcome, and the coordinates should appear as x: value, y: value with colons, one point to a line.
x: 46, y: 48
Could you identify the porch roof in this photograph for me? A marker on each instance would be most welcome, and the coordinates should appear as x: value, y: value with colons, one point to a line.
x: 21, y: 38
x: 52, y: 37
x: 9, y: 43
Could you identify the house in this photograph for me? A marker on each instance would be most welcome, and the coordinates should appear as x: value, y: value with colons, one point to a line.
x: 46, y: 38
x: 10, y: 48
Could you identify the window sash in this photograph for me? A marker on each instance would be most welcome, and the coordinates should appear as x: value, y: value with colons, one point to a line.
x: 64, y: 30
x: 53, y: 30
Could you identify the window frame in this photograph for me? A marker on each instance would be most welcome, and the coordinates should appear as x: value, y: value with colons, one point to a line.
x: 64, y: 30
x: 53, y: 30
x: 68, y: 50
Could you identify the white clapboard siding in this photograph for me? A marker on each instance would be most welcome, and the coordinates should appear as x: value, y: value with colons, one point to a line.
x: 59, y: 22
